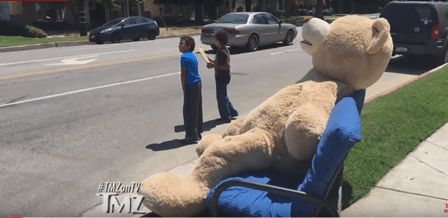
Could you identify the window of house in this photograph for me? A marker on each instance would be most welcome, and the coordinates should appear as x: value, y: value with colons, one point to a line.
x: 227, y: 4
x: 280, y: 5
x: 233, y: 4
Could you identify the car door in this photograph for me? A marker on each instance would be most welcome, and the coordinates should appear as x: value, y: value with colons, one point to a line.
x: 142, y: 27
x: 275, y: 29
x: 261, y: 24
x: 128, y: 31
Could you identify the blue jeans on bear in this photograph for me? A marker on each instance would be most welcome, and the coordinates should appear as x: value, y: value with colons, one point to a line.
x: 225, y: 107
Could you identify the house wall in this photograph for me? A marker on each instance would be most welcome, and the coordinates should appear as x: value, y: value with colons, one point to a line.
x: 23, y: 12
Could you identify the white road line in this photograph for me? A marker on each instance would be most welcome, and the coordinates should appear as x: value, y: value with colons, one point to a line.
x: 88, y: 89
x: 50, y: 59
x: 286, y: 51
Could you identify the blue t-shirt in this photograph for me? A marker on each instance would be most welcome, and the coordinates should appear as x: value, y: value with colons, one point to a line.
x: 189, y: 61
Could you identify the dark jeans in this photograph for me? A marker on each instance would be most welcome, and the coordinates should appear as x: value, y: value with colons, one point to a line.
x: 226, y: 110
x: 193, y: 110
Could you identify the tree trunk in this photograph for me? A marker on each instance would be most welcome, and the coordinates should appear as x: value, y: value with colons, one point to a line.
x: 319, y: 13
x: 248, y: 4
x: 198, y: 17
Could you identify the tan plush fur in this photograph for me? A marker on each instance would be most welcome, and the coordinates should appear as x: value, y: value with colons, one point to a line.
x: 283, y: 131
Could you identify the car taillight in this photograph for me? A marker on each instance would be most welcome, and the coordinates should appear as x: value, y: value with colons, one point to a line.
x: 233, y: 31
x: 435, y: 32
x: 207, y: 31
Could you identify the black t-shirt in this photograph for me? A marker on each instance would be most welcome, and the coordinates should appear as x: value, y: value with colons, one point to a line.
x: 222, y: 69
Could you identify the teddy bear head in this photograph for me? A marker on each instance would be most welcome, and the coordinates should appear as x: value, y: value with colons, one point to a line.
x: 354, y: 50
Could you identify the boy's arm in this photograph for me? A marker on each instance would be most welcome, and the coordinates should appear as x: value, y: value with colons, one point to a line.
x: 183, y: 72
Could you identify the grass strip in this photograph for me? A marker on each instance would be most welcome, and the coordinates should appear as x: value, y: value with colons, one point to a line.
x: 392, y: 127
x: 6, y: 41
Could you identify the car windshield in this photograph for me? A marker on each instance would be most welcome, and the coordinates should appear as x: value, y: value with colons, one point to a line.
x: 233, y: 18
x: 112, y: 22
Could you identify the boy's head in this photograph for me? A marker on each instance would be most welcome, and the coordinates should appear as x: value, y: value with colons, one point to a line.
x: 222, y: 37
x: 186, y: 44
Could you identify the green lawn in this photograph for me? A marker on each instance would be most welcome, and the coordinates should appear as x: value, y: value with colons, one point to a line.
x: 392, y: 127
x: 19, y: 40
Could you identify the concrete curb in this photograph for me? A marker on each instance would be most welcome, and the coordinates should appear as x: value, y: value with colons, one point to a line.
x: 44, y: 45
x: 403, y: 84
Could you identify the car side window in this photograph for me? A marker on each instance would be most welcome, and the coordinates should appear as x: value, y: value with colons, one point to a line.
x: 259, y: 19
x: 130, y: 21
x: 271, y: 19
x: 140, y: 20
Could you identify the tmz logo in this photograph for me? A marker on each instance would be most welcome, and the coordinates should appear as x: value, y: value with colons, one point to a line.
x: 119, y: 198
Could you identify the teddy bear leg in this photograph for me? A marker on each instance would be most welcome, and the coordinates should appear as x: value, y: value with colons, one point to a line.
x: 169, y: 194
x: 173, y: 195
x: 252, y: 150
x: 206, y: 141
x: 233, y: 128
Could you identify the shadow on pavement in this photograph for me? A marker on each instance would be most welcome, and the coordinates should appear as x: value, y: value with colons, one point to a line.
x: 205, y: 126
x: 167, y: 145
x: 175, y: 143
x: 413, y: 65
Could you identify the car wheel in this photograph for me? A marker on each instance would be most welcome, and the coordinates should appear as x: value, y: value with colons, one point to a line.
x: 151, y: 35
x: 115, y: 38
x: 136, y: 39
x: 288, y: 38
x: 252, y: 44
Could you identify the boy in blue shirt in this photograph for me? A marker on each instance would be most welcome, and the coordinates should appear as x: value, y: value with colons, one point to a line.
x: 191, y: 86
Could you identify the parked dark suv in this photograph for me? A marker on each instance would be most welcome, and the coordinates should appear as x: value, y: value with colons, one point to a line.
x: 418, y: 28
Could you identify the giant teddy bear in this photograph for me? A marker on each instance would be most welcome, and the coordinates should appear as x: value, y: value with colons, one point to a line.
x: 282, y: 132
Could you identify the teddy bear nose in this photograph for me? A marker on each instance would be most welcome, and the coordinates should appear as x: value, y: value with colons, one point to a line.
x: 307, y: 18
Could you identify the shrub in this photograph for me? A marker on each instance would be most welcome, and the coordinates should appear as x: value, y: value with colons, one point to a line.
x: 240, y: 8
x: 35, y: 32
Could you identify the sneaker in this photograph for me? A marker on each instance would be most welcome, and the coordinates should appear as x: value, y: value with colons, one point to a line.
x: 189, y: 140
x: 222, y: 120
x: 235, y: 115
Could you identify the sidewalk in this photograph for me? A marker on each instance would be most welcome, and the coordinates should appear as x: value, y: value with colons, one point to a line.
x: 417, y: 186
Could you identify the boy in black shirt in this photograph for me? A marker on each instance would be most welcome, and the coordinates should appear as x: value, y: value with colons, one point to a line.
x: 222, y: 77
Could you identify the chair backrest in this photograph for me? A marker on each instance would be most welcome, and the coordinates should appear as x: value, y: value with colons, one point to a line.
x: 342, y: 132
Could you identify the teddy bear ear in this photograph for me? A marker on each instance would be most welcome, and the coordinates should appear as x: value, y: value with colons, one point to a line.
x: 380, y: 34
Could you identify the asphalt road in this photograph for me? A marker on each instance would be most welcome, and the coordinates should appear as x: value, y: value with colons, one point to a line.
x: 74, y: 117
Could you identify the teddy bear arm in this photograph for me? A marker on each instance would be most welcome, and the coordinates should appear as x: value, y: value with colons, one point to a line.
x: 303, y: 130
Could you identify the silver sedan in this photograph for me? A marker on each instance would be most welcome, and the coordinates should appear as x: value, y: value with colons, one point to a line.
x: 250, y: 30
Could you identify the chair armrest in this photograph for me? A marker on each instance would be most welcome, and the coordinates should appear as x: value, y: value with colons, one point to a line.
x: 268, y: 188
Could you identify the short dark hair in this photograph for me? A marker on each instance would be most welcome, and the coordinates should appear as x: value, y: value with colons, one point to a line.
x: 222, y: 37
x: 188, y: 41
